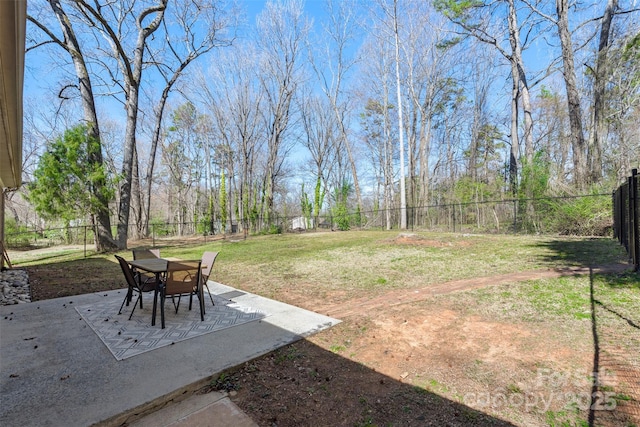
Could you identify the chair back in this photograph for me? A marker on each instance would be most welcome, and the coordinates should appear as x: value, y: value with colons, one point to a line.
x: 145, y: 253
x: 208, y: 258
x: 128, y: 274
x: 183, y: 277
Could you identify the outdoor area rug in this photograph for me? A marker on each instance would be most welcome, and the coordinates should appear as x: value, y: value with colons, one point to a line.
x: 126, y: 338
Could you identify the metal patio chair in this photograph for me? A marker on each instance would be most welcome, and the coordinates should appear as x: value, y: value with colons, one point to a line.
x: 134, y: 286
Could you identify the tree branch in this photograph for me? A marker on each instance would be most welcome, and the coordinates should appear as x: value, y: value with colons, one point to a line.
x: 53, y: 37
x: 61, y: 96
x: 115, y: 41
x: 37, y: 45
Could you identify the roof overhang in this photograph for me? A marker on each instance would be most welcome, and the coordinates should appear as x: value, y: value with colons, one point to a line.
x: 13, y: 15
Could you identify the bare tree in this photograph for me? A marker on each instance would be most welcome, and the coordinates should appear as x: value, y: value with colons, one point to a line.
x: 194, y: 42
x: 320, y: 134
x: 403, y: 191
x: 621, y: 149
x: 70, y: 43
x: 600, y: 77
x: 182, y: 156
x: 378, y: 131
x: 430, y: 62
x: 232, y: 92
x: 517, y: 60
x: 550, y: 114
x: 476, y: 22
x: 482, y: 79
x: 282, y: 30
x: 579, y: 148
x: 573, y: 97
x: 375, y: 124
x: 332, y: 66
x: 113, y: 20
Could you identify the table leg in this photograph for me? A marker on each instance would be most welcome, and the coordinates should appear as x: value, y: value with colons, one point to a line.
x: 200, y: 290
x: 201, y: 301
x: 155, y: 304
x: 162, y: 299
x: 155, y: 299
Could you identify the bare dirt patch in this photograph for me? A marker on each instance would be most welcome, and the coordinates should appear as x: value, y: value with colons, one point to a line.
x: 73, y: 278
x: 398, y: 361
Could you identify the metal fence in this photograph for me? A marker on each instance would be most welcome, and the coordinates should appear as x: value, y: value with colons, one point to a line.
x: 543, y: 215
x: 626, y: 217
x: 550, y: 215
x: 45, y: 237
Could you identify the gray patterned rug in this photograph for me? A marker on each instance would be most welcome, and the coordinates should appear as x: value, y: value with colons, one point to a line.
x: 126, y: 338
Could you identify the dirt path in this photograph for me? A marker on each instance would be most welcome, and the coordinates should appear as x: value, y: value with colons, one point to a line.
x: 403, y: 296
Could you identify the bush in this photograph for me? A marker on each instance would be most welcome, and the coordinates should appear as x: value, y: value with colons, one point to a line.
x: 342, y: 217
x: 273, y: 229
x: 583, y: 216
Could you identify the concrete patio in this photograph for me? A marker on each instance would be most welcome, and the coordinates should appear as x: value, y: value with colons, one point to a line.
x: 55, y: 370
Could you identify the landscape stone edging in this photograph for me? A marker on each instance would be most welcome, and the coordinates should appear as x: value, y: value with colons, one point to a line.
x: 14, y: 287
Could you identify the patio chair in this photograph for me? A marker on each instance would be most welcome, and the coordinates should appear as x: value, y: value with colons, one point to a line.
x: 144, y: 254
x: 183, y: 278
x: 208, y: 258
x: 134, y: 285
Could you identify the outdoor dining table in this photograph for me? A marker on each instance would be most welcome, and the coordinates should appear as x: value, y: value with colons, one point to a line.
x: 157, y: 266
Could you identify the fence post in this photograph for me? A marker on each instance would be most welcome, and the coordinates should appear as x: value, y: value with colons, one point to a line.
x: 454, y: 217
x: 614, y: 213
x: 634, y: 238
x: 85, y: 241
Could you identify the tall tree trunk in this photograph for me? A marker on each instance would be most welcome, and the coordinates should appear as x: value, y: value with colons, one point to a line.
x: 152, y: 157
x: 599, y: 124
x: 387, y: 158
x: 133, y: 67
x: 516, y: 57
x: 274, y: 144
x: 515, y: 140
x: 282, y: 32
x: 159, y: 113
x: 573, y: 96
x: 526, y: 111
x: 403, y: 191
x: 104, y: 239
x: 136, y: 192
x: 424, y: 153
x: 347, y: 145
x: 412, y: 162
x: 127, y: 167
x: 472, y: 167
